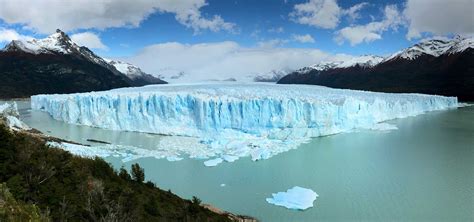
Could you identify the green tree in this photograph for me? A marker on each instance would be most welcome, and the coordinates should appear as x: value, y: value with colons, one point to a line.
x: 138, y: 173
x: 124, y: 174
x: 196, y: 201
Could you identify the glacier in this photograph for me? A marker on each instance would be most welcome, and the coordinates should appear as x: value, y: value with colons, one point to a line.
x: 296, y: 198
x: 232, y: 120
x: 9, y: 113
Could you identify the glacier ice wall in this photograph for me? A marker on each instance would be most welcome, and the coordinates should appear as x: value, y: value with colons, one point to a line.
x: 252, y: 119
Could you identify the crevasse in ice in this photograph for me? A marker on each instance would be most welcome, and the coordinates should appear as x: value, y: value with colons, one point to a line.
x: 237, y: 119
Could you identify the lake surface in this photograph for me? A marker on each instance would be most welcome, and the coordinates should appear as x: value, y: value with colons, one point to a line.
x: 422, y: 171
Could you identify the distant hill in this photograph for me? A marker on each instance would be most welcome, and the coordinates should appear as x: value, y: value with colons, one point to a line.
x: 58, y: 65
x: 436, y: 66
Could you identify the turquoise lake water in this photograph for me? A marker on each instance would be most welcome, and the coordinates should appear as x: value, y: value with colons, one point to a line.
x: 422, y: 171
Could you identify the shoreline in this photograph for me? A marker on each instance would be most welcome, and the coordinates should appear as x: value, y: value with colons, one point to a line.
x: 34, y: 133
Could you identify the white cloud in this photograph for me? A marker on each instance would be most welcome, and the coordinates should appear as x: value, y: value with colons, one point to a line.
x: 439, y: 17
x: 272, y: 43
x: 373, y: 30
x: 317, y: 13
x: 303, y: 38
x: 324, y: 13
x: 7, y: 35
x: 354, y: 12
x: 277, y: 30
x: 47, y: 15
x: 89, y: 40
x: 222, y: 60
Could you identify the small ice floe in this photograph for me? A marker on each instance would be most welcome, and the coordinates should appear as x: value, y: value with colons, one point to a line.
x: 174, y: 158
x: 296, y: 198
x: 213, y: 162
x: 230, y: 158
x: 383, y: 127
x: 460, y: 105
x: 80, y: 150
x: 260, y: 154
x: 222, y: 184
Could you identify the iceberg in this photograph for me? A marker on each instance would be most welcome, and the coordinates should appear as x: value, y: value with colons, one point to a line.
x: 233, y: 120
x: 80, y: 150
x: 213, y: 162
x: 296, y: 198
x: 173, y: 158
x: 124, y: 153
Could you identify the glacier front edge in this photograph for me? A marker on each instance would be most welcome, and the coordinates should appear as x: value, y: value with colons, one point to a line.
x: 235, y: 119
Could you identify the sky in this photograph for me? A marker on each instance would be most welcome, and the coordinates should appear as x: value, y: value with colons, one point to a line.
x: 240, y: 36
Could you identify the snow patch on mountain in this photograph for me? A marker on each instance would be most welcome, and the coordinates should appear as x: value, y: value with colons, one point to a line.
x: 462, y: 45
x: 57, y: 43
x: 133, y: 72
x: 434, y: 47
x: 272, y: 76
x: 366, y: 61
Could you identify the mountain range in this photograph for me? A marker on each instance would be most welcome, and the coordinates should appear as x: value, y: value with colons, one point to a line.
x: 434, y: 66
x: 58, y: 65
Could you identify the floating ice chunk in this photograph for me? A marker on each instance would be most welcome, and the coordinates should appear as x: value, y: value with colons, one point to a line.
x: 383, y: 127
x: 260, y: 154
x: 173, y: 158
x: 125, y: 153
x: 296, y: 198
x: 466, y: 104
x: 230, y: 158
x: 222, y: 184
x: 81, y: 150
x: 213, y: 162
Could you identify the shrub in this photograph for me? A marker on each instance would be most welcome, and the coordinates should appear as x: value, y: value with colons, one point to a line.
x: 138, y: 173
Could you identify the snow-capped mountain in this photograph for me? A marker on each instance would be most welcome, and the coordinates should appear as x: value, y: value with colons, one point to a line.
x: 272, y: 76
x: 57, y: 43
x: 434, y: 66
x: 134, y: 73
x: 56, y: 64
x: 366, y: 61
x: 434, y: 47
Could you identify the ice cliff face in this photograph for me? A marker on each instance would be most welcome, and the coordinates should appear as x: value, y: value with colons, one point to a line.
x: 234, y: 120
x: 9, y: 115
